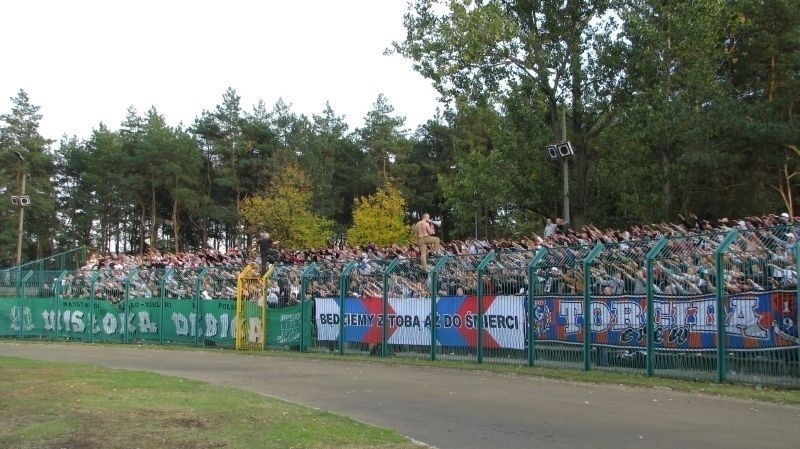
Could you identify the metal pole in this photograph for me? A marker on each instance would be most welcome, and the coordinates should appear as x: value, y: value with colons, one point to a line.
x: 21, y: 221
x: 565, y: 166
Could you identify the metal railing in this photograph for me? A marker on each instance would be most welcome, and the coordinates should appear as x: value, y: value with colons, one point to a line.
x: 719, y: 307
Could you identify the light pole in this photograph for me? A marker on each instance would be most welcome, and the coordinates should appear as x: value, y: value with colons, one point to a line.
x: 565, y: 165
x: 22, y: 201
x: 563, y: 151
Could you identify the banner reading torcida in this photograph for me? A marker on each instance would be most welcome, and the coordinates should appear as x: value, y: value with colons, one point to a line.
x: 751, y: 321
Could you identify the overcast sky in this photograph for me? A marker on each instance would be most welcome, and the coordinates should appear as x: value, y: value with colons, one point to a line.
x: 85, y: 61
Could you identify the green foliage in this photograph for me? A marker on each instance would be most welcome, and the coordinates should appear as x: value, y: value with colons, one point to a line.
x: 19, y: 133
x: 670, y: 106
x: 535, y: 50
x: 285, y: 212
x: 380, y: 218
x: 337, y: 169
x: 382, y: 139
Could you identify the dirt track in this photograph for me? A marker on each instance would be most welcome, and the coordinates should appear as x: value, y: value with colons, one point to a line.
x: 465, y: 409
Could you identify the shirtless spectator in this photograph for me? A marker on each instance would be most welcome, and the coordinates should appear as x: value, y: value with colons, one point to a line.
x: 425, y: 235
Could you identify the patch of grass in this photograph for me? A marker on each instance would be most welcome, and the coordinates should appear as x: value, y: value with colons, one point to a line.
x: 78, y: 406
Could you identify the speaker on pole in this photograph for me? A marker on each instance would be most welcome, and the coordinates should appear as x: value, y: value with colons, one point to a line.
x: 552, y: 151
x: 565, y: 149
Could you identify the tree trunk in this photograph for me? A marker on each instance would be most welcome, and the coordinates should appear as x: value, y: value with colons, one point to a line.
x: 666, y: 171
x: 142, y: 228
x: 175, y: 231
x: 153, y: 216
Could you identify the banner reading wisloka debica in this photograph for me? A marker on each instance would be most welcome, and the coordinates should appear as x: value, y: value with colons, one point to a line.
x: 752, y: 321
x: 145, y: 320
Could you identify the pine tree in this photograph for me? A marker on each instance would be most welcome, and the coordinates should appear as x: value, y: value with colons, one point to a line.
x: 24, y: 150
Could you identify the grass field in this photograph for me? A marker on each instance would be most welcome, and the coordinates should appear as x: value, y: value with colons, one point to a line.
x: 56, y: 405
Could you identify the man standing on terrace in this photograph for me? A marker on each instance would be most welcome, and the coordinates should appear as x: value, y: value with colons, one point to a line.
x: 425, y: 237
x: 266, y: 248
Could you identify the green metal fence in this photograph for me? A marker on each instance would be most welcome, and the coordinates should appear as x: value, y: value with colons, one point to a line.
x: 325, y: 284
x: 684, y: 278
x: 405, y: 289
x: 503, y: 277
x: 755, y: 263
x: 455, y: 276
x: 67, y: 260
x: 557, y: 287
x: 719, y: 307
x: 617, y: 306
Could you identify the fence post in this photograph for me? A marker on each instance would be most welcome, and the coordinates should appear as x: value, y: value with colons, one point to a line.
x: 127, y: 299
x: 304, y: 277
x: 264, y: 282
x: 344, y: 284
x: 22, y: 290
x: 481, y: 290
x: 434, y: 289
x: 587, y: 306
x: 797, y: 298
x: 198, y: 285
x: 651, y: 325
x: 57, y: 292
x: 163, y: 294
x: 532, y: 266
x: 92, y: 313
x: 39, y: 264
x: 722, y: 369
x: 384, y: 311
x: 241, y: 323
x: 18, y: 280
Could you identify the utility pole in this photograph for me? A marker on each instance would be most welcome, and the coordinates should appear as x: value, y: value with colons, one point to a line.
x: 565, y: 165
x: 562, y: 150
x: 21, y: 172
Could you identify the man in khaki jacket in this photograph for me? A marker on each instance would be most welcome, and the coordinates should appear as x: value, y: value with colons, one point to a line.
x: 425, y: 237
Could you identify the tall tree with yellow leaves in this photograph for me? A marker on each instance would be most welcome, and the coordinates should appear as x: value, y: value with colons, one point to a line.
x: 380, y: 218
x: 286, y: 212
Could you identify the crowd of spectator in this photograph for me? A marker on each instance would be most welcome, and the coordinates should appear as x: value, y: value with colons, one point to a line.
x: 760, y: 259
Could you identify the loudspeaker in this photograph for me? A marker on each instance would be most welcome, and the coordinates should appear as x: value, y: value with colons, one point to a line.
x: 24, y: 201
x: 565, y: 149
x: 15, y: 201
x: 552, y: 151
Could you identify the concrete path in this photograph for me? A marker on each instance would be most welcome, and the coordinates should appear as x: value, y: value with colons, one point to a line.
x: 465, y: 409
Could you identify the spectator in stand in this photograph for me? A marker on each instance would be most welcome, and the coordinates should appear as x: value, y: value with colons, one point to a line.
x: 561, y: 226
x: 426, y: 237
x: 549, y: 228
x: 761, y: 258
x: 268, y: 253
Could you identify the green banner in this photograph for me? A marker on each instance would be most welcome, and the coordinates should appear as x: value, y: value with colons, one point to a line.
x: 141, y: 320
x: 284, y: 325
